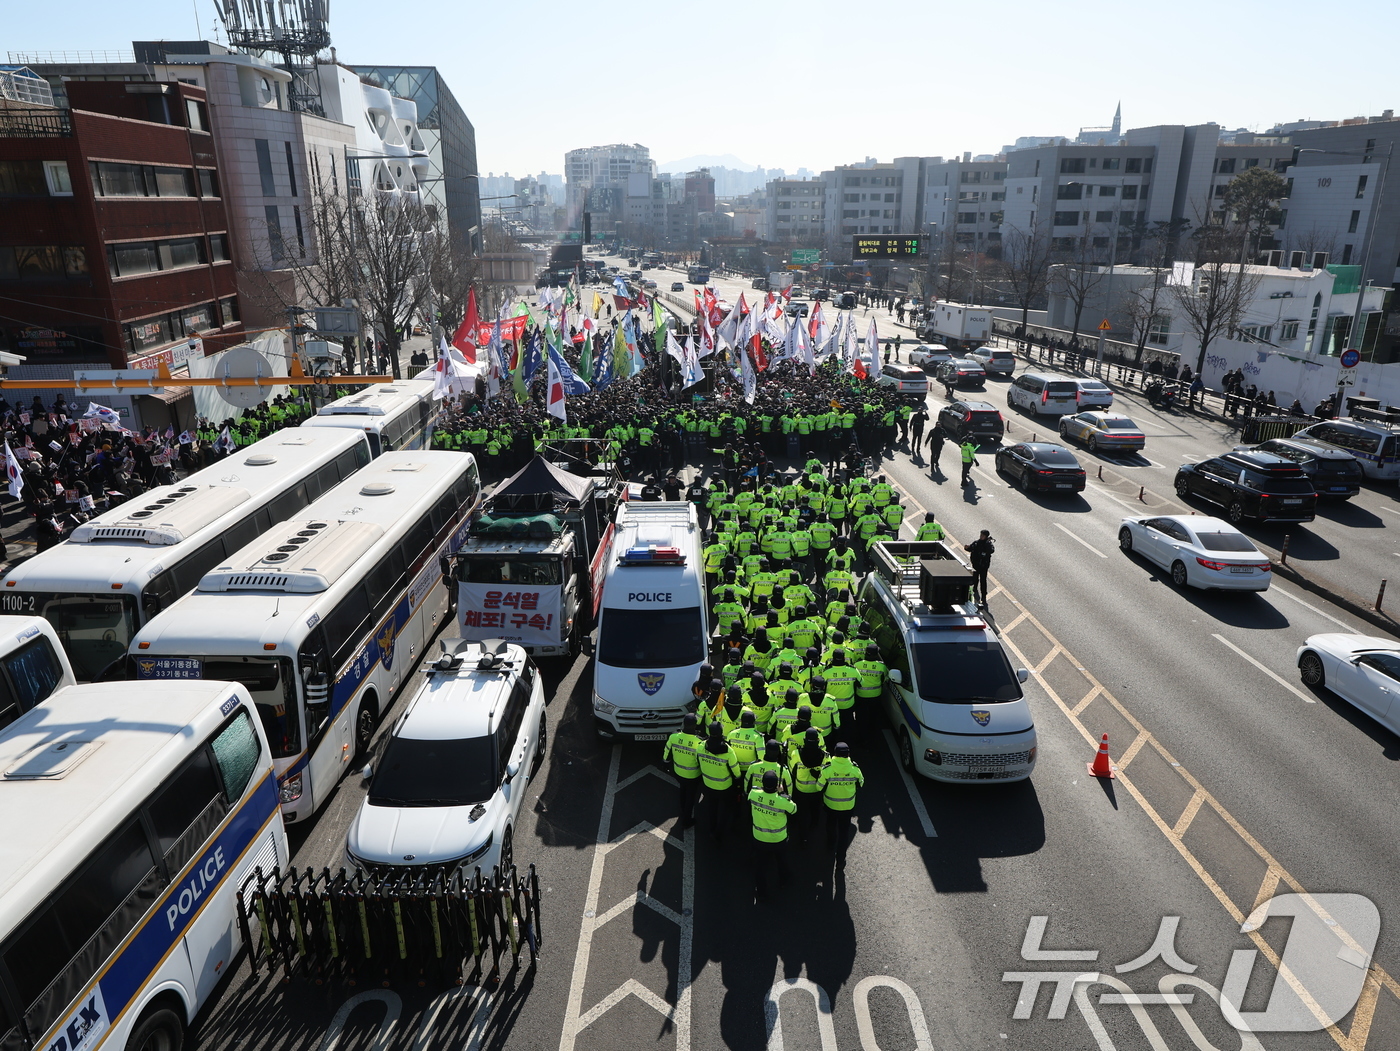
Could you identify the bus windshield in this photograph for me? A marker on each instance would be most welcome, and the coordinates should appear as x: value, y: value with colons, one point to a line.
x: 95, y: 629
x: 273, y: 686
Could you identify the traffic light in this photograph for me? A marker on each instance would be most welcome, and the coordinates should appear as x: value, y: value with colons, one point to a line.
x: 587, y: 227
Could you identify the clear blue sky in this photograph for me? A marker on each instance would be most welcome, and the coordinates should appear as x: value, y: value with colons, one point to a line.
x: 825, y: 82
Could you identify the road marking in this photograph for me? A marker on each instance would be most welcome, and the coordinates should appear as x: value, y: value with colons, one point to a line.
x: 575, y: 1018
x: 1080, y: 539
x: 1267, y: 671
x: 773, y: 1020
x: 384, y: 1034
x: 866, y: 1027
x: 914, y: 796
x: 1276, y: 590
x: 1275, y: 874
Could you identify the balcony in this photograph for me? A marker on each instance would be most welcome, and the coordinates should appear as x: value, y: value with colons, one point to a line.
x: 35, y: 124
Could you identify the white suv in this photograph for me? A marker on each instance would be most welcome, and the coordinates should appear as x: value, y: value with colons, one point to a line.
x: 446, y: 793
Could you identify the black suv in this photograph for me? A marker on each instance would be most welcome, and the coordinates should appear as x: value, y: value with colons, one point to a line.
x: 971, y: 419
x: 1334, y: 473
x: 1259, y: 485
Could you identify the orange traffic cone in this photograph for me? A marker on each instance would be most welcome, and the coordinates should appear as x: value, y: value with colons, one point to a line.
x: 1101, y: 767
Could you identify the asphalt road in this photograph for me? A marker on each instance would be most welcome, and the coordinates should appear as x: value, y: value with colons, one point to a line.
x: 1236, y: 784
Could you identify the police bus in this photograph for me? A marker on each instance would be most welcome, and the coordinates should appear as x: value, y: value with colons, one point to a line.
x: 653, y: 622
x: 123, y: 567
x: 325, y: 617
x: 32, y: 666
x: 133, y: 813
x: 393, y: 416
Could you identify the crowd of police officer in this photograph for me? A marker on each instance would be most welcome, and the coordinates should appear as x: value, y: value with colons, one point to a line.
x: 800, y: 671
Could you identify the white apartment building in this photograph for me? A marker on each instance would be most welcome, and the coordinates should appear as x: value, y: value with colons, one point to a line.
x: 603, y: 168
x: 796, y: 210
x: 964, y: 200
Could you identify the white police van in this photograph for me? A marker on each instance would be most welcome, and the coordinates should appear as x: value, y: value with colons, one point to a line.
x: 953, y: 697
x: 653, y: 623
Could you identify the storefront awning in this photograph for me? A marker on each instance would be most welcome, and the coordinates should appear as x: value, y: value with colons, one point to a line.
x: 169, y: 395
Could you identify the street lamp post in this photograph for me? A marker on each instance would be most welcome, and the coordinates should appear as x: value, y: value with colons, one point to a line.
x: 1355, y: 336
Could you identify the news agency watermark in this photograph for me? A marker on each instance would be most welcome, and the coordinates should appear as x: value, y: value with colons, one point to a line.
x: 1320, y: 976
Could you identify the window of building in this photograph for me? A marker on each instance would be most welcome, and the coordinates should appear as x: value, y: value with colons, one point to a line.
x: 1288, y: 331
x: 889, y: 198
x: 1108, y: 191
x: 1360, y: 185
x: 1066, y: 218
x: 291, y: 169
x: 194, y: 115
x: 1225, y: 166
x: 41, y: 262
x: 180, y: 252
x: 1355, y: 221
x: 1159, y: 329
x: 850, y: 213
x: 1346, y: 255
x: 967, y: 218
x: 22, y: 179
x: 850, y: 198
x: 1146, y: 165
x: 228, y: 310
x: 998, y: 176
x: 1069, y: 192
x: 218, y: 248
x: 1219, y: 189
x: 998, y: 216
x: 1132, y: 164
x: 1072, y: 166
x: 1130, y: 193
x: 1101, y: 242
x: 208, y: 182
x: 1251, y: 162
x: 141, y: 180
x: 1112, y: 164
x: 852, y: 180
x: 274, y: 231
x: 998, y: 195
x: 1103, y: 217
x: 264, y: 152
x: 171, y: 182
x: 1063, y: 244
x: 1282, y: 218
x: 58, y: 180
x: 131, y: 258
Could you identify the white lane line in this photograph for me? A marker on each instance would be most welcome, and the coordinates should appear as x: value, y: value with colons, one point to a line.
x: 1276, y: 590
x: 929, y: 831
x: 1267, y: 671
x: 1086, y: 543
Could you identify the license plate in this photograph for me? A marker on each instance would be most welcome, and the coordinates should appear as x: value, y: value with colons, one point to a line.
x: 985, y: 769
x: 1340, y: 489
x: 649, y: 737
x: 1064, y: 485
x: 1241, y: 569
x: 1293, y: 501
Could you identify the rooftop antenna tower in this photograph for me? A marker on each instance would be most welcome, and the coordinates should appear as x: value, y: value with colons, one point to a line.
x: 297, y: 30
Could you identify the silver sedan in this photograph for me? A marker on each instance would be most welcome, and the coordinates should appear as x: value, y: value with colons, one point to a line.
x: 1110, y: 431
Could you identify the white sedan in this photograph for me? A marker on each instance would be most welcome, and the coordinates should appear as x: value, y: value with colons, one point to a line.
x: 1357, y: 668
x: 1199, y: 551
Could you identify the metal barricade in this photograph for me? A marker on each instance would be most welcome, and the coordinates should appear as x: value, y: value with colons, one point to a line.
x: 403, y: 925
x: 1262, y: 428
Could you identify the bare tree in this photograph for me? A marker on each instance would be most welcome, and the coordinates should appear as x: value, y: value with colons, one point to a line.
x: 1078, y: 276
x: 452, y: 271
x: 1220, y: 289
x: 1025, y: 267
x: 1313, y: 240
x: 1146, y: 303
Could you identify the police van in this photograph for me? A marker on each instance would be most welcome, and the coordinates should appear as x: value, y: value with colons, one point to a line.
x: 953, y: 697
x: 652, y: 624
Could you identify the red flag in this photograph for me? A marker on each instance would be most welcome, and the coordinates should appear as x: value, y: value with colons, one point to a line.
x: 759, y: 358
x: 787, y: 293
x: 468, y: 332
x: 859, y: 369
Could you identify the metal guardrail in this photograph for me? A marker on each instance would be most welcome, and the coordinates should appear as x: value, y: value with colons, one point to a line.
x: 1262, y: 428
x: 32, y: 124
x: 411, y: 926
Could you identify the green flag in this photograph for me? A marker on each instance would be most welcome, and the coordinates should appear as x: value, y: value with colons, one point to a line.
x: 622, y: 356
x: 658, y: 321
x: 585, y: 360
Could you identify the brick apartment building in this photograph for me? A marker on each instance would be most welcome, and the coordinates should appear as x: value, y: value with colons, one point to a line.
x: 114, y: 240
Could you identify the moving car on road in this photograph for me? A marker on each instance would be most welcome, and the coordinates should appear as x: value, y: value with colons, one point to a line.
x: 1042, y: 466
x: 961, y: 374
x: 977, y: 420
x: 994, y: 361
x: 797, y: 309
x: 677, y: 286
x: 905, y: 378
x: 1335, y: 474
x: 1094, y: 394
x: 930, y: 355
x: 1360, y: 669
x: 446, y: 794
x: 1038, y: 393
x: 1199, y: 551
x: 1258, y: 485
x: 1103, y: 430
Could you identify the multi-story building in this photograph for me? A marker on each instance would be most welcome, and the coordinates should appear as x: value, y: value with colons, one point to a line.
x: 965, y: 200
x: 796, y: 211
x: 872, y: 198
x: 449, y: 140
x: 597, y: 178
x: 116, y: 248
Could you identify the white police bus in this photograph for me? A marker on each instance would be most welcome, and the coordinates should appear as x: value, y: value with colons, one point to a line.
x: 393, y: 416
x: 325, y: 617
x: 133, y: 813
x: 32, y: 665
x: 123, y: 567
x: 653, y: 622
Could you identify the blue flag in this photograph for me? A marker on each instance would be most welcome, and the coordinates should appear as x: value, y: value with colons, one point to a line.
x: 603, y: 371
x: 572, y: 384
x: 533, y: 359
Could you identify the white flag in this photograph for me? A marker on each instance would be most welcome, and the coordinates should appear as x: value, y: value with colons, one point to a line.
x: 707, y: 338
x: 12, y: 468
x: 555, y: 402
x: 691, y: 368
x: 852, y: 344
x: 674, y: 349
x: 804, y: 350
x: 729, y: 328
x: 872, y: 350
x: 750, y: 376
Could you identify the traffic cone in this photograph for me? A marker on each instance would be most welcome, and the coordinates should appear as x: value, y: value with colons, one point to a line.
x: 1101, y: 767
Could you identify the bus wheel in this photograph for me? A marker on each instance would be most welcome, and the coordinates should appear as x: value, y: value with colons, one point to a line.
x: 160, y: 1030
x: 365, y: 723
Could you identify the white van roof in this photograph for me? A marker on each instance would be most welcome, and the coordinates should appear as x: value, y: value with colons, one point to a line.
x: 657, y: 543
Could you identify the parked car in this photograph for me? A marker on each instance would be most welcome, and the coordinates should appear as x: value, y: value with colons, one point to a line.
x: 930, y: 355
x: 1103, y: 430
x: 677, y: 286
x: 961, y: 374
x: 1037, y: 393
x: 1360, y: 669
x: 994, y: 360
x: 904, y: 378
x: 978, y: 420
x: 1198, y: 551
x: 1335, y: 474
x: 445, y: 796
x: 1263, y: 486
x: 1042, y: 466
x: 1094, y: 394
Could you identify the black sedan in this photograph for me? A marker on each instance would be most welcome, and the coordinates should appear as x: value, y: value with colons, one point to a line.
x: 1042, y: 467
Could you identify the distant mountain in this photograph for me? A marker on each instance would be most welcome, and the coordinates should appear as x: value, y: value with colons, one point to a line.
x: 689, y: 164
